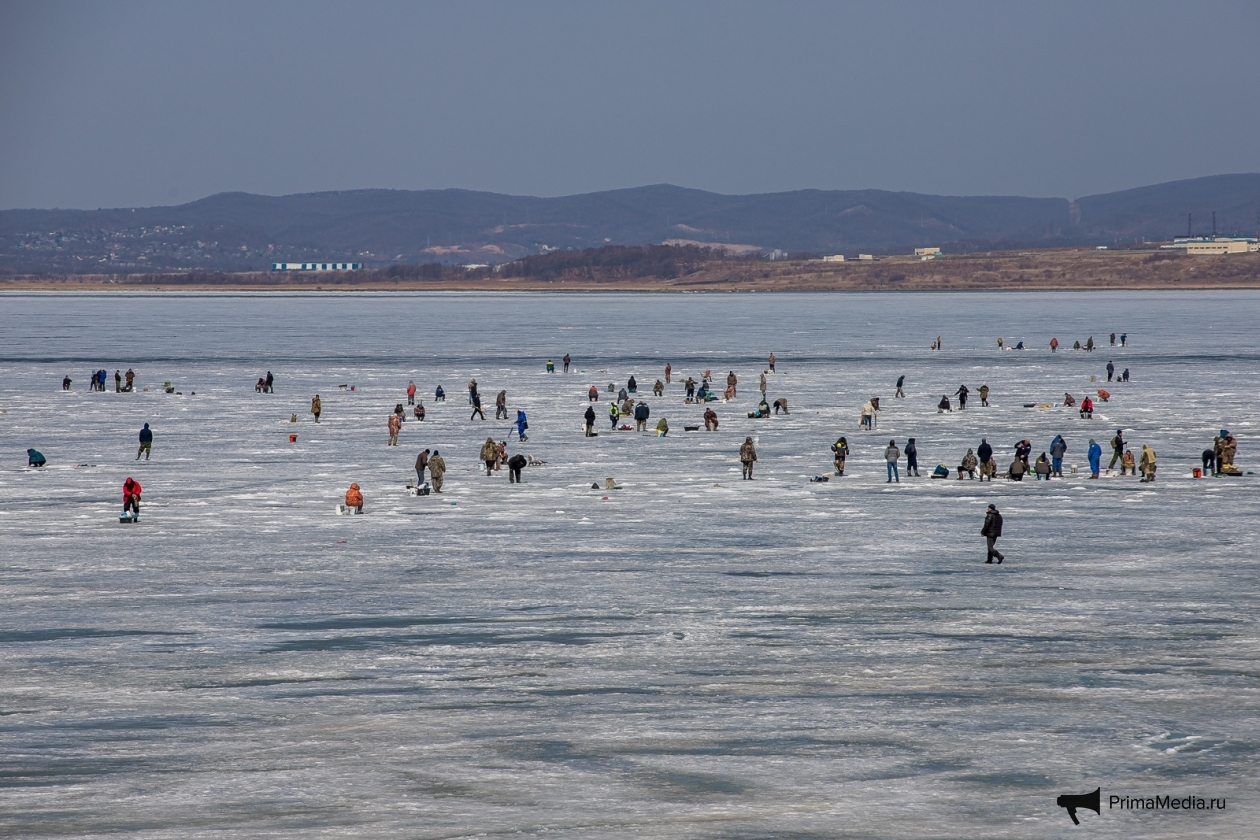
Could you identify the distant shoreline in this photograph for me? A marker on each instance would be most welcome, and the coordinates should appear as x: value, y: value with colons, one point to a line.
x: 1039, y: 271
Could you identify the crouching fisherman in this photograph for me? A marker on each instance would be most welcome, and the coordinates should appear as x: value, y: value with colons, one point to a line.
x: 131, y: 501
x: 354, y: 499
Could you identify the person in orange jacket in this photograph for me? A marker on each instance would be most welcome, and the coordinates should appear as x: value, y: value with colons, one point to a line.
x: 131, y: 497
x: 354, y: 498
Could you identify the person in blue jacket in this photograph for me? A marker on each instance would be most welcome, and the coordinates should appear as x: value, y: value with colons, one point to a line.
x: 521, y: 424
x: 1095, y: 456
x: 35, y: 458
x: 439, y: 395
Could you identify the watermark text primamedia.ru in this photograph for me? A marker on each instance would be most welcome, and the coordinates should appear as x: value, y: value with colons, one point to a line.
x: 1165, y: 803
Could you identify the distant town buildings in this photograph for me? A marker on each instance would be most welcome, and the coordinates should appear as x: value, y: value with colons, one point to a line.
x: 929, y: 253
x: 294, y: 266
x: 866, y: 256
x: 834, y: 258
x: 777, y: 254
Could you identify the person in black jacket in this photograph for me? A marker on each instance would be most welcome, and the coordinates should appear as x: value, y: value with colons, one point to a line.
x: 146, y: 442
x: 962, y: 393
x: 590, y: 421
x: 991, y: 531
x: 515, y: 464
x: 912, y: 458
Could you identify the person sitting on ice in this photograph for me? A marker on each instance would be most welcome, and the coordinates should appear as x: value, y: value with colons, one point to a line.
x: 658, y: 388
x: 662, y: 427
x: 1087, y: 408
x: 439, y: 395
x: 968, y: 465
x: 1068, y: 399
x: 1104, y: 394
x: 35, y: 458
x: 354, y: 499
x: 418, y: 411
x: 729, y: 393
x: 943, y: 406
x: 710, y: 420
x: 1042, y: 468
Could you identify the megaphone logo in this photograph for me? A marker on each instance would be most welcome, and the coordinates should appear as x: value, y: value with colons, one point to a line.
x: 1072, y: 801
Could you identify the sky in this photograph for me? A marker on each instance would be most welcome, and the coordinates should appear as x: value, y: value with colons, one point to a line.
x: 119, y: 104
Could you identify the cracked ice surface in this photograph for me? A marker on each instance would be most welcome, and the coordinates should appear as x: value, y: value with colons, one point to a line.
x: 696, y: 656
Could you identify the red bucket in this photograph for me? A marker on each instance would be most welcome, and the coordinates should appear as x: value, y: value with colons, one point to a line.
x: 1198, y: 473
x: 292, y: 438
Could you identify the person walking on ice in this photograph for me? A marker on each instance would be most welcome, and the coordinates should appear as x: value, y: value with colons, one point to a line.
x: 411, y: 393
x: 771, y: 361
x: 747, y: 457
x: 566, y: 361
x: 991, y: 531
x: 316, y: 407
x: 1117, y: 449
x: 395, y: 426
x: 500, y: 406
x: 146, y: 442
x: 476, y: 404
x: 522, y: 423
x: 901, y: 380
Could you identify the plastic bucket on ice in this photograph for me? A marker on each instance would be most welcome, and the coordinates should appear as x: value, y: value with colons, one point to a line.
x: 1198, y: 472
x: 292, y: 438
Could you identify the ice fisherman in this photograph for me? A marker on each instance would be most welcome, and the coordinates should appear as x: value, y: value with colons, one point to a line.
x: 891, y: 454
x: 515, y: 464
x: 146, y: 442
x: 1095, y: 458
x: 747, y: 457
x: 35, y: 458
x: 991, y: 530
x: 411, y: 392
x: 522, y: 423
x: 839, y: 454
x: 1147, y: 464
x: 962, y: 393
x: 437, y: 469
x: 912, y: 458
x: 422, y: 462
x: 131, y: 497
x: 1058, y: 448
x: 490, y: 455
x: 316, y: 407
x: 354, y: 498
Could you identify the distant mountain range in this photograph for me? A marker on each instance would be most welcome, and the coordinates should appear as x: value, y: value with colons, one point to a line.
x: 244, y: 232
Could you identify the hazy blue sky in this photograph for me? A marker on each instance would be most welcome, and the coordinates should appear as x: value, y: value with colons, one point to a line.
x: 133, y: 103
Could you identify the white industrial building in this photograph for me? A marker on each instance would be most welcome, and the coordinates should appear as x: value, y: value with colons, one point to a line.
x: 288, y: 266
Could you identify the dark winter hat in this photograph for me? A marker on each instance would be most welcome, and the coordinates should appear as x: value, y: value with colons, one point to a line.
x: 993, y: 507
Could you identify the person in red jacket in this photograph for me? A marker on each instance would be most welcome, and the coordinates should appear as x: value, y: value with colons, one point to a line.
x: 131, y: 497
